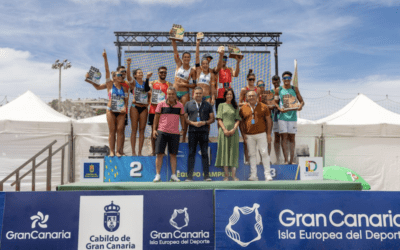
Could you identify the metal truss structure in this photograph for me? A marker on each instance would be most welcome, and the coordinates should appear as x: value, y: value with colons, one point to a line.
x: 156, y: 41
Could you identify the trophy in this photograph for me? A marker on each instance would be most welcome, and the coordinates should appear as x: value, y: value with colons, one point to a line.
x: 234, y: 52
x: 200, y: 36
x: 221, y: 49
x: 267, y: 97
x: 176, y: 32
x: 290, y: 102
x: 94, y: 75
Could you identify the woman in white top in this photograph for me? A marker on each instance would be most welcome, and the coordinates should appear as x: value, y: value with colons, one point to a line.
x: 205, y: 78
x: 183, y: 74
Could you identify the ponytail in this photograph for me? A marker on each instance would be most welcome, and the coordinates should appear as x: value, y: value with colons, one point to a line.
x: 250, y: 73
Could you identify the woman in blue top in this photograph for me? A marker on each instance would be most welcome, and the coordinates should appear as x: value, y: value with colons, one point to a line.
x: 118, y: 97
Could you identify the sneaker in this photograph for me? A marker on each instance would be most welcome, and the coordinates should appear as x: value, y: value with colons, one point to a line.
x: 253, y: 178
x: 174, y: 178
x: 268, y: 178
x: 188, y: 180
x: 157, y: 179
x: 208, y: 179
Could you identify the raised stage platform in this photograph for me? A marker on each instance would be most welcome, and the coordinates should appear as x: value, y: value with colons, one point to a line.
x: 240, y: 185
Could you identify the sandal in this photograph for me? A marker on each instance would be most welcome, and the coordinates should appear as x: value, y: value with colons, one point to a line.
x: 235, y: 179
x: 226, y: 178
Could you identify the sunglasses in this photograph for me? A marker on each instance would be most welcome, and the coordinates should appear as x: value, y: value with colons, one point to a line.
x: 287, y: 78
x: 261, y: 85
x: 119, y: 75
x: 163, y: 72
x: 252, y: 79
x: 123, y: 71
x: 225, y: 59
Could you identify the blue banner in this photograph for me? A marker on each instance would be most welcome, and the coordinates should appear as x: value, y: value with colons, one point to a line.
x: 307, y: 219
x: 109, y: 220
x: 278, y: 172
x: 133, y: 168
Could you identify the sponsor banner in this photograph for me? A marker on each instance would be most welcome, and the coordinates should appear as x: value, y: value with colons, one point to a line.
x: 186, y: 220
x: 92, y: 170
x: 109, y: 220
x: 311, y: 168
x: 307, y: 219
x: 40, y: 220
x: 278, y: 172
x: 2, y: 198
x: 133, y: 168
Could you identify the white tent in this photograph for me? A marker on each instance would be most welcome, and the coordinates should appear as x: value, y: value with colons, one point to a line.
x: 27, y: 125
x: 365, y: 137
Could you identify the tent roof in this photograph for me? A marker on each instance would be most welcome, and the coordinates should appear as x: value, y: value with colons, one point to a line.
x: 362, y: 111
x: 30, y: 108
x: 94, y: 119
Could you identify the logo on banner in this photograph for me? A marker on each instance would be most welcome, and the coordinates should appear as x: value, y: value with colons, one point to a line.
x: 111, y: 217
x: 39, y: 218
x: 353, y: 176
x: 175, y: 214
x: 309, y: 165
x: 91, y: 168
x: 100, y: 225
x: 179, y: 237
x: 233, y: 235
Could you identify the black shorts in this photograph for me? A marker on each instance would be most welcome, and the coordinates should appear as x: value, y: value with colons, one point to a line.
x: 166, y: 138
x: 218, y: 101
x: 151, y: 119
x: 126, y: 120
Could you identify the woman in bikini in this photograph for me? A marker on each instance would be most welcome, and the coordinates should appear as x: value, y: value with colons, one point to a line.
x: 205, y: 78
x: 118, y: 97
x: 141, y: 100
x: 183, y: 74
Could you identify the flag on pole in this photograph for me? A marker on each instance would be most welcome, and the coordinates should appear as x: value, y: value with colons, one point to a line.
x: 295, y: 76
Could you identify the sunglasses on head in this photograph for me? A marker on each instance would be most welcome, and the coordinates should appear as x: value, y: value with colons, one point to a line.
x: 287, y: 78
x: 252, y: 79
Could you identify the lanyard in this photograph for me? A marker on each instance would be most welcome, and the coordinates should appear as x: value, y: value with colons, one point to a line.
x: 252, y: 110
x: 198, y: 108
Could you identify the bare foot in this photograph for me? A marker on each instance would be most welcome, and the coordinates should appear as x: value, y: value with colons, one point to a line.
x: 152, y: 154
x: 286, y: 163
x: 140, y: 154
x: 133, y: 153
x: 112, y: 154
x: 118, y: 154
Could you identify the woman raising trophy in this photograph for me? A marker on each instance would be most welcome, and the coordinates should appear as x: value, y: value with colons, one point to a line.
x: 118, y: 97
x: 183, y: 74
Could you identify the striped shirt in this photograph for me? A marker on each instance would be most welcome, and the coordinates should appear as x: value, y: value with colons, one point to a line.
x: 169, y: 117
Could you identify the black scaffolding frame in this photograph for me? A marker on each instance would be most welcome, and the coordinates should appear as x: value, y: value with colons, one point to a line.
x: 247, y: 41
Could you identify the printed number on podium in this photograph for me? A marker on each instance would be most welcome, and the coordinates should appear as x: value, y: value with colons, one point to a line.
x: 273, y: 172
x: 136, y: 169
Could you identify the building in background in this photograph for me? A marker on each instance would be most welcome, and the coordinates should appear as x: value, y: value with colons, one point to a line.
x: 81, y: 108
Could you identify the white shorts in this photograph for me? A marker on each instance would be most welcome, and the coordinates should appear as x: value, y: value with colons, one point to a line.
x: 275, y: 127
x: 289, y: 127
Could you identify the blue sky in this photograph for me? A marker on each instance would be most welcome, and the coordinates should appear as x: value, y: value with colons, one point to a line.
x: 345, y: 46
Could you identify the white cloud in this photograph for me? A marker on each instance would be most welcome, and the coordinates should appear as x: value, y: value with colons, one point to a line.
x: 19, y: 73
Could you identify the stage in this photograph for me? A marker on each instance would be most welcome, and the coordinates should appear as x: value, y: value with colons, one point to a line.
x: 238, y: 185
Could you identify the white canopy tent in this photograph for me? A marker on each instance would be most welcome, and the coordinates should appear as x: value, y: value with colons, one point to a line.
x: 27, y: 125
x: 365, y: 137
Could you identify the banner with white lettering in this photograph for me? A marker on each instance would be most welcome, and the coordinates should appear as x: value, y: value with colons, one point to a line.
x: 176, y: 219
x: 307, y: 219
